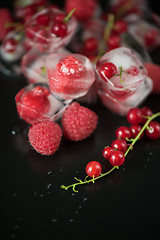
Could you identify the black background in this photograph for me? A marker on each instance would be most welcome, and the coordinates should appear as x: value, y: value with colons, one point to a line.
x: 33, y: 206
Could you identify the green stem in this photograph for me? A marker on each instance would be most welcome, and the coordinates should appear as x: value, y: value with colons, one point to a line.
x: 133, y: 141
x: 142, y: 130
x: 69, y: 15
x: 107, y: 32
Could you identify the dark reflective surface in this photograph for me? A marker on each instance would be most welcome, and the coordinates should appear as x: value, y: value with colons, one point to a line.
x: 32, y: 204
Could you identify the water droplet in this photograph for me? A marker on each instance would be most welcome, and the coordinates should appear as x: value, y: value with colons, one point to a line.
x: 49, y: 172
x: 49, y: 185
x: 54, y: 220
x: 85, y: 199
x: 14, y: 194
x: 71, y: 220
x: 150, y: 153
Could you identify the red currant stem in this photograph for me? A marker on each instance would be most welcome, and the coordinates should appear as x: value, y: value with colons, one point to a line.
x: 125, y: 7
x: 80, y: 182
x: 142, y: 130
x: 65, y: 20
x: 107, y: 32
x: 17, y: 25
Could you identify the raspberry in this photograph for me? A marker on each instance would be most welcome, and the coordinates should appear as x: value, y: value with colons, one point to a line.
x: 5, y: 18
x: 82, y: 13
x: 45, y: 137
x: 32, y: 105
x: 78, y: 122
x: 154, y: 73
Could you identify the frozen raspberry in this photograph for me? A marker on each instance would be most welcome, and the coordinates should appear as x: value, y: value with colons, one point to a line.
x: 32, y: 105
x: 78, y: 122
x: 45, y: 137
x: 154, y: 74
x: 84, y: 9
x: 5, y: 17
x: 70, y: 76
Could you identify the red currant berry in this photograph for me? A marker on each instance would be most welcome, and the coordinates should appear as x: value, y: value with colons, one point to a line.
x: 43, y: 19
x: 135, y: 129
x: 120, y: 26
x: 117, y: 158
x: 133, y: 70
x: 107, y: 151
x: 123, y: 132
x: 59, y: 29
x: 153, y: 130
x: 59, y: 17
x: 107, y: 70
x: 134, y: 116
x: 150, y: 37
x: 93, y: 169
x: 91, y: 44
x: 119, y: 144
x: 113, y: 41
x: 147, y: 112
x: 10, y: 45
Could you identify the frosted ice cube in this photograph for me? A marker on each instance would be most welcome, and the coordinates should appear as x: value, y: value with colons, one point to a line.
x: 147, y: 34
x: 129, y: 86
x: 33, y: 65
x: 41, y: 37
x: 70, y: 75
x: 35, y: 103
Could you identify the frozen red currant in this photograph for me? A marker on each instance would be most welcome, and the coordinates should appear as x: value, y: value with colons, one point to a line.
x: 10, y: 45
x: 43, y: 19
x: 153, y: 130
x: 59, y: 28
x: 117, y: 158
x: 90, y: 44
x: 147, y: 112
x: 134, y: 116
x: 93, y: 169
x: 119, y: 144
x: 107, y: 70
x: 107, y: 152
x: 113, y: 41
x: 123, y: 132
x: 135, y: 129
x: 120, y: 26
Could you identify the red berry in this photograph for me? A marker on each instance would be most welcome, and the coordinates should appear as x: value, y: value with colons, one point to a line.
x: 10, y: 45
x: 120, y: 26
x: 150, y: 37
x: 113, y: 41
x: 119, y: 144
x: 107, y: 152
x: 93, y: 169
x: 153, y: 130
x: 146, y: 111
x: 123, y: 132
x: 117, y: 158
x: 82, y: 13
x: 154, y: 73
x: 107, y: 70
x: 134, y: 116
x: 45, y: 137
x: 32, y: 105
x: 135, y: 129
x: 78, y: 122
x: 59, y: 29
x: 43, y: 19
x: 133, y: 70
x: 5, y: 17
x: 90, y: 44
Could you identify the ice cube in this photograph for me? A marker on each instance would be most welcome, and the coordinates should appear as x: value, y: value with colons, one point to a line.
x: 35, y: 103
x: 70, y: 75
x: 41, y: 36
x: 128, y: 85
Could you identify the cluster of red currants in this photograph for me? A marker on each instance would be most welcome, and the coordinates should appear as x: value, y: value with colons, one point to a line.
x: 118, y: 149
